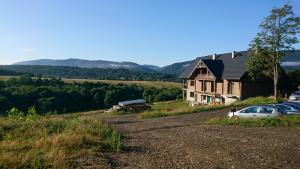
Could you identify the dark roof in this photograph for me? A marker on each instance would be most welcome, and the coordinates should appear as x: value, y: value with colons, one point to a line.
x: 224, y: 66
x: 130, y: 102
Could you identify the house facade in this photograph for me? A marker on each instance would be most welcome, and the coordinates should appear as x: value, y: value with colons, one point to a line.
x: 221, y: 79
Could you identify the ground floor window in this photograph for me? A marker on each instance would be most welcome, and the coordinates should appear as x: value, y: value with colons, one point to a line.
x: 192, y: 94
x: 230, y: 87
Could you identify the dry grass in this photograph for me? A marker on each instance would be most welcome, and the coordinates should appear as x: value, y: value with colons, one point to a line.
x: 52, y: 142
x: 147, y: 84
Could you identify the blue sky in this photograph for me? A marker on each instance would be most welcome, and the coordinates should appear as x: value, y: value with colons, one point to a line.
x: 158, y: 32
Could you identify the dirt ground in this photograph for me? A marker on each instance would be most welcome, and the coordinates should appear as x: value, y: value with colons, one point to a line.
x: 186, y: 142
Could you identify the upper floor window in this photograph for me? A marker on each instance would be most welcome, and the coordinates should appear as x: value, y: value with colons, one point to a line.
x: 192, y: 83
x: 203, y: 87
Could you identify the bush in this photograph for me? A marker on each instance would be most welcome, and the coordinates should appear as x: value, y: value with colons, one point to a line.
x: 15, y: 113
x: 32, y: 113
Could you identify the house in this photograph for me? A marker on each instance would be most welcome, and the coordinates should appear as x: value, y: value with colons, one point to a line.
x: 223, y: 79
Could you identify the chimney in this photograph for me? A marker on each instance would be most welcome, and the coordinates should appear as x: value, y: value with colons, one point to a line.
x: 232, y: 54
x: 214, y: 56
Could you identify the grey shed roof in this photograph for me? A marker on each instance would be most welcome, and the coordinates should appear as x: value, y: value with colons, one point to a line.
x: 130, y: 102
x: 224, y: 66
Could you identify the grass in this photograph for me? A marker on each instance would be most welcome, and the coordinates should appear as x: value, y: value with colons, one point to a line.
x: 146, y: 84
x: 54, y: 141
x: 255, y: 101
x: 6, y: 77
x: 285, y: 121
x: 174, y: 108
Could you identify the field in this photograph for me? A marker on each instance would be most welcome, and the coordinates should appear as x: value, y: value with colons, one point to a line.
x: 55, y: 141
x: 147, y: 84
x: 156, y: 84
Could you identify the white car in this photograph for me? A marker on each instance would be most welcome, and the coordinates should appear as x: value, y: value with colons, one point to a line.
x: 265, y: 111
x: 295, y: 96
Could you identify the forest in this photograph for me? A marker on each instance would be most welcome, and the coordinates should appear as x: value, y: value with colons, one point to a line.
x: 88, y: 73
x: 55, y: 96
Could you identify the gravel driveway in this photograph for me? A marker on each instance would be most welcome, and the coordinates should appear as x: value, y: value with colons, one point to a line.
x: 186, y: 142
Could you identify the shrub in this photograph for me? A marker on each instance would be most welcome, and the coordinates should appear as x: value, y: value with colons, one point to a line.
x: 32, y: 113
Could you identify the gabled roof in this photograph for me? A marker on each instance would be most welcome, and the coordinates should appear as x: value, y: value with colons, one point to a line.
x: 224, y: 66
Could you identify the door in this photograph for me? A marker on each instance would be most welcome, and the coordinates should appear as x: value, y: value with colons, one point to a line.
x: 208, y: 99
x: 265, y: 112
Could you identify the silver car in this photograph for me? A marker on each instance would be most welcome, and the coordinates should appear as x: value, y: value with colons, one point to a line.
x: 289, y: 108
x: 266, y: 111
x: 295, y: 96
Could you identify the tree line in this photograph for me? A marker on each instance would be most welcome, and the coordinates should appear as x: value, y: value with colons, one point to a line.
x: 54, y: 95
x: 89, y: 73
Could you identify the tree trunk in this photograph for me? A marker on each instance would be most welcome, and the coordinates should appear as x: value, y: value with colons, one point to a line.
x: 275, y: 86
x: 276, y: 76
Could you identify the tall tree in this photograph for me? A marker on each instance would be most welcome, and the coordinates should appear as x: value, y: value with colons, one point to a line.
x: 278, y: 34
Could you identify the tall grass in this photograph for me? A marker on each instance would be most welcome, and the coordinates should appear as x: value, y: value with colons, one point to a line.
x: 285, y: 121
x: 173, y: 108
x: 52, y: 142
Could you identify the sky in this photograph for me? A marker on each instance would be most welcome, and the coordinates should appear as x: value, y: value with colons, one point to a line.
x: 158, y: 32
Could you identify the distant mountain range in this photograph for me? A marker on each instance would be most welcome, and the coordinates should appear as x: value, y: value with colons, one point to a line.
x: 91, y: 64
x: 291, y: 62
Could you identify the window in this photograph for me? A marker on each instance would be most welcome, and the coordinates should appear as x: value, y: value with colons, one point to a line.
x: 286, y: 108
x: 192, y: 83
x: 203, y: 88
x: 192, y: 94
x: 266, y: 110
x: 230, y: 87
x: 212, y: 87
x: 250, y: 110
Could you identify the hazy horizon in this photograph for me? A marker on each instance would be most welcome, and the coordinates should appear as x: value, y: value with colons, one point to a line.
x: 142, y: 31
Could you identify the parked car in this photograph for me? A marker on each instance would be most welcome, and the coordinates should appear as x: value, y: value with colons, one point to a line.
x: 289, y: 108
x: 295, y: 96
x: 265, y: 111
